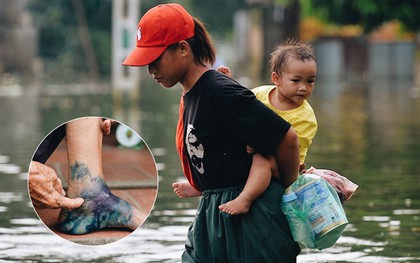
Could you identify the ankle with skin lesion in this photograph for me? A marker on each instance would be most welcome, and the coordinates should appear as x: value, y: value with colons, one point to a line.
x: 100, y: 209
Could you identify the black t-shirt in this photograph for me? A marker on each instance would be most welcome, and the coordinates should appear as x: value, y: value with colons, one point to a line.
x: 219, y: 120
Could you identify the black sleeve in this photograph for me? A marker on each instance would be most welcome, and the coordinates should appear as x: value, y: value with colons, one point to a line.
x: 49, y: 144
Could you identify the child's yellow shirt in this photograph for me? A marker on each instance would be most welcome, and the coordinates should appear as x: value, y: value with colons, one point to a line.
x: 302, y: 119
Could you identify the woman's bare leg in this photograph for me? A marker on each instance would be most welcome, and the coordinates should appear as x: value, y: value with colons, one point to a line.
x: 101, y: 208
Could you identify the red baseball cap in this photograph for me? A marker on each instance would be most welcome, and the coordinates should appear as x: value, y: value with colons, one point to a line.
x: 160, y: 27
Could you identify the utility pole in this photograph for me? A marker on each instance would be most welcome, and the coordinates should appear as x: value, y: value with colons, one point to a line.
x: 125, y: 80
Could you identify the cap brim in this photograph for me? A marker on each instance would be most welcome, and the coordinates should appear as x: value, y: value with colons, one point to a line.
x: 143, y: 56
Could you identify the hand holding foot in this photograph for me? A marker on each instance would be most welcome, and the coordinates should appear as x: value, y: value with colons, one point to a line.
x: 46, y: 189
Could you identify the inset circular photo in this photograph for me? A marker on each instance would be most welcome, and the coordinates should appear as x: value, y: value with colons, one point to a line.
x: 93, y: 181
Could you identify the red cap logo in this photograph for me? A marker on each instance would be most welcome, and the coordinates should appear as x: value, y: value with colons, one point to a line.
x: 160, y: 27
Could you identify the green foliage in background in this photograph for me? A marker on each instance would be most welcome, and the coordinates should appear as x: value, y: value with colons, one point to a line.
x: 59, y: 43
x: 60, y: 46
x: 58, y: 40
x: 370, y: 14
x: 218, y: 15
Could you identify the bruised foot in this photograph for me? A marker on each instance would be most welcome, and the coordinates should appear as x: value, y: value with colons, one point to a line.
x: 101, y: 208
x: 237, y: 206
x: 184, y: 189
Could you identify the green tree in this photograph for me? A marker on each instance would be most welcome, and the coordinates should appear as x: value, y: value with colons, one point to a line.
x: 217, y: 14
x: 59, y: 43
x: 368, y: 13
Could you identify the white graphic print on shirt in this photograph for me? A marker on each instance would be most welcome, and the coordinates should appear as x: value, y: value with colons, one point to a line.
x: 195, y: 149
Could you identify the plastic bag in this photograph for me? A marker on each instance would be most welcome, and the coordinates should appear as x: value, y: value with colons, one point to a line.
x: 343, y: 186
x: 314, y: 212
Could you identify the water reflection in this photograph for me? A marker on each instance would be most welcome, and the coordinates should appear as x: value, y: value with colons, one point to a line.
x: 369, y: 134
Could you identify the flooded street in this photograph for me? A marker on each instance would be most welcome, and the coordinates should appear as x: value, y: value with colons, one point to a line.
x: 369, y: 134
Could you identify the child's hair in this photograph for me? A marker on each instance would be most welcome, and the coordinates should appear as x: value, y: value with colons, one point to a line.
x: 290, y: 49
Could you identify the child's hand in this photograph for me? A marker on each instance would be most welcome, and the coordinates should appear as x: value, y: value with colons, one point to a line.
x: 250, y: 150
x: 225, y: 70
x: 302, y: 168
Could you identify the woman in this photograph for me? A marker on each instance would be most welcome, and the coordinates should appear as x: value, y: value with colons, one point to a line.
x: 218, y: 119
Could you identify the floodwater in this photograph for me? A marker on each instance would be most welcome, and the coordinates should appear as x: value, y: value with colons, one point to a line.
x: 369, y: 134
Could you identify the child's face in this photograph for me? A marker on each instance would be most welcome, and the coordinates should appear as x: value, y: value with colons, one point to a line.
x: 296, y: 82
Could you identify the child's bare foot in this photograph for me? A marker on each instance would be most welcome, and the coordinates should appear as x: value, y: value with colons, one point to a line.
x: 185, y: 189
x: 101, y: 208
x: 237, y: 206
